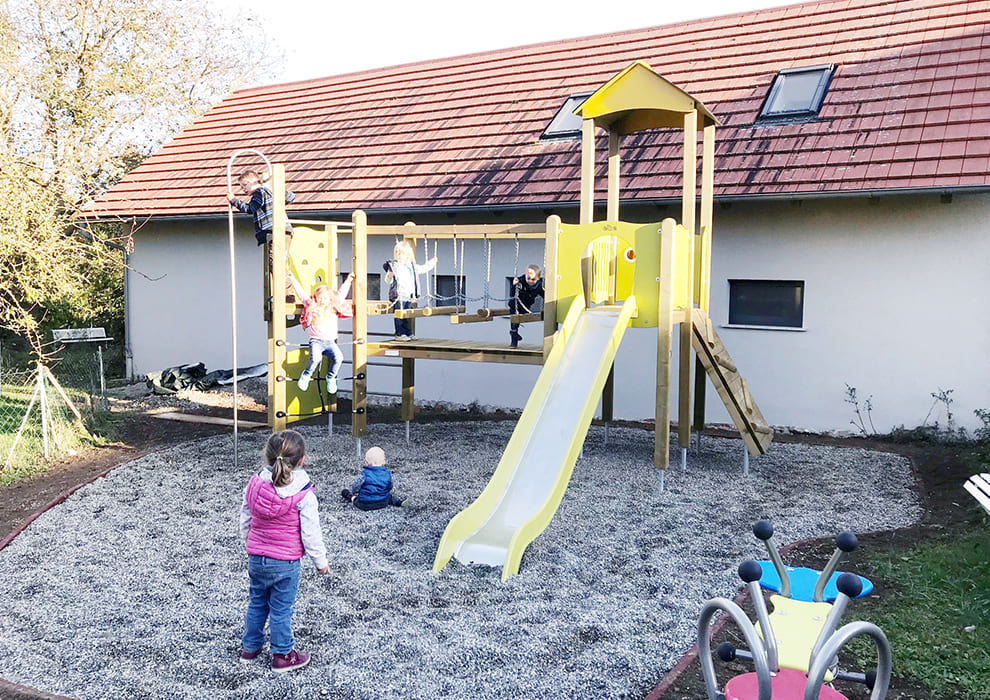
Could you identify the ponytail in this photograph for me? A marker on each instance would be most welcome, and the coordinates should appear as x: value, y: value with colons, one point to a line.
x: 283, y: 453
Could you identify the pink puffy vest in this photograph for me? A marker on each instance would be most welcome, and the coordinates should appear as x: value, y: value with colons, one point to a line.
x: 275, y: 530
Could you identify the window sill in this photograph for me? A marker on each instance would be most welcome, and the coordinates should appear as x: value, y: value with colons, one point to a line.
x: 802, y: 329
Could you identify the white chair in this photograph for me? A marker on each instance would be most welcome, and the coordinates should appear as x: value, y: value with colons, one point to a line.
x: 979, y: 486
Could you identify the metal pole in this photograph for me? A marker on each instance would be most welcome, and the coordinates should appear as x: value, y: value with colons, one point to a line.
x: 233, y: 278
x: 745, y: 460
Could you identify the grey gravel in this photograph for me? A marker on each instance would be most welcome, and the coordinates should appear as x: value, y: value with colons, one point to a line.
x: 136, y: 586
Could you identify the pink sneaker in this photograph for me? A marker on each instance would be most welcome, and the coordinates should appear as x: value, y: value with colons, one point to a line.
x: 251, y: 655
x: 288, y: 662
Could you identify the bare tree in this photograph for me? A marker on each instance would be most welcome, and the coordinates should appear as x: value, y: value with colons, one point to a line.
x: 88, y: 88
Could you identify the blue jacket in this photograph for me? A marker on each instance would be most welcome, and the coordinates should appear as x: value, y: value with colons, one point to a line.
x: 374, y: 484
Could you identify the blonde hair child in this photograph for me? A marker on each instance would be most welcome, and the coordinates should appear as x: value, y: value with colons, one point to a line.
x: 402, y: 274
x: 320, y: 313
x: 280, y: 521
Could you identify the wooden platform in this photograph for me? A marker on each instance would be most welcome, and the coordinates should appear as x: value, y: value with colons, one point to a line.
x: 469, y: 350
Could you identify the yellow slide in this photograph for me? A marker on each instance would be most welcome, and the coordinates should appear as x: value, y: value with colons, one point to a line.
x: 529, y: 482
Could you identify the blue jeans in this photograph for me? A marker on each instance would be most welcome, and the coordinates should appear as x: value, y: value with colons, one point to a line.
x: 319, y: 348
x: 273, y: 592
x: 402, y: 326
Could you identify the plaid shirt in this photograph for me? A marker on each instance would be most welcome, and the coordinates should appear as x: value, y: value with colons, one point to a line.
x: 261, y: 207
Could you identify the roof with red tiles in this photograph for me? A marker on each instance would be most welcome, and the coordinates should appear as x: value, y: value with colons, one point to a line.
x: 908, y: 108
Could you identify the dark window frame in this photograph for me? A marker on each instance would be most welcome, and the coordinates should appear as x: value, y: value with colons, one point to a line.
x: 459, y: 296
x: 758, y: 312
x: 770, y: 115
x: 572, y: 102
x: 374, y: 280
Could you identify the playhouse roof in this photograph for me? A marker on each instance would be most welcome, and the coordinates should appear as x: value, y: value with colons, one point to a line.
x: 908, y: 108
x: 637, y: 99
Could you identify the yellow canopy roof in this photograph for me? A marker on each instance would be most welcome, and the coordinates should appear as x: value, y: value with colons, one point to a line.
x: 639, y: 98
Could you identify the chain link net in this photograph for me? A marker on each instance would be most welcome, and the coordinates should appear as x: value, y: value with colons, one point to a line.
x: 37, y: 423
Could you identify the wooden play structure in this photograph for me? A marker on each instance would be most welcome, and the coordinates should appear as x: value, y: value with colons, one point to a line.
x: 666, y: 266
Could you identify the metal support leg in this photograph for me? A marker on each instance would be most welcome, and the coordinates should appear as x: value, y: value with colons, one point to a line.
x: 660, y: 480
x: 329, y: 424
x: 357, y: 443
x: 745, y: 460
x: 407, y: 431
x: 606, y: 434
x: 683, y: 459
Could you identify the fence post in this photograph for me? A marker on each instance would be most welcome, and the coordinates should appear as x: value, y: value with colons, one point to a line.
x: 43, y: 399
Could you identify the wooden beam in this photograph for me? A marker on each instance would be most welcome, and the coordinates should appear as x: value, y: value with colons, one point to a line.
x: 688, y: 207
x: 408, y: 388
x: 359, y: 352
x: 427, y: 311
x: 378, y: 308
x: 587, y: 171
x: 481, y: 316
x: 465, y: 231
x: 550, y: 277
x: 525, y: 318
x: 277, y: 398
x: 665, y: 332
x: 612, y: 203
x: 467, y: 350
x: 704, y: 282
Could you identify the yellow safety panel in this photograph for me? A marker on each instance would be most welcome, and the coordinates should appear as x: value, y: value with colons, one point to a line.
x: 310, y: 257
x: 305, y: 403
x: 636, y: 248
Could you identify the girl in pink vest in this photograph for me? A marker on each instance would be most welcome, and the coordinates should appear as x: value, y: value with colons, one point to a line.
x: 280, y: 521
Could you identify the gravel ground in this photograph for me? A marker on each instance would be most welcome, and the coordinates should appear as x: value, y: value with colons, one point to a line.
x: 136, y: 586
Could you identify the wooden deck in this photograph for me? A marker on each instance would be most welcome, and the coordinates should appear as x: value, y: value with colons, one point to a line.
x: 469, y: 350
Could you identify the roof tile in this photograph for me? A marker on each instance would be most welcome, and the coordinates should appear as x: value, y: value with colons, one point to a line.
x: 909, y: 107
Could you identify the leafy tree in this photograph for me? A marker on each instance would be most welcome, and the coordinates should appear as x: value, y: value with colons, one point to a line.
x: 88, y: 88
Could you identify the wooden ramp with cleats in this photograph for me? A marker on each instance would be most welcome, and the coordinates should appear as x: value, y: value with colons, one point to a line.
x: 729, y: 384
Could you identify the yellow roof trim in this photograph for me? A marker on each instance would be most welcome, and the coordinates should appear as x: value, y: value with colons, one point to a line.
x: 639, y: 98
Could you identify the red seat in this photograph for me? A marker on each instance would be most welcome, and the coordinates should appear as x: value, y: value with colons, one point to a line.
x: 786, y: 684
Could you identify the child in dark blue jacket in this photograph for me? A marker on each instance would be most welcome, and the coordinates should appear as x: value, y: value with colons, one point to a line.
x: 373, y: 489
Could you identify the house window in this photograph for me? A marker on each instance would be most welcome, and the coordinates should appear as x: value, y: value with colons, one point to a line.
x: 565, y: 124
x: 770, y: 303
x: 374, y: 285
x: 796, y: 94
x: 450, y: 290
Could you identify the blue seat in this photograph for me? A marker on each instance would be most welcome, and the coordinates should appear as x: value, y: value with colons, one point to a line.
x: 803, y: 582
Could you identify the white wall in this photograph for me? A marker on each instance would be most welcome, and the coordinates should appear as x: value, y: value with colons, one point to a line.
x: 895, y: 292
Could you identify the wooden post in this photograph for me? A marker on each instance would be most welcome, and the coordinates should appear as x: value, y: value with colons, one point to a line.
x: 550, y: 277
x: 612, y: 214
x: 612, y: 203
x: 688, y: 206
x: 665, y: 332
x: 587, y: 171
x: 705, y: 264
x: 276, y: 325
x: 333, y: 271
x: 408, y: 388
x: 408, y: 363
x: 359, y: 352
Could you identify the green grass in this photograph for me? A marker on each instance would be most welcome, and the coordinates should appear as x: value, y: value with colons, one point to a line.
x: 27, y: 458
x: 936, y: 613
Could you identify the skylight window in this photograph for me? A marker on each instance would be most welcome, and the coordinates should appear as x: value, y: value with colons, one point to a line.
x: 796, y: 94
x: 565, y: 124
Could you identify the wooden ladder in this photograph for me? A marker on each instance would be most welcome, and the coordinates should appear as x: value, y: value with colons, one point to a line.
x: 729, y: 384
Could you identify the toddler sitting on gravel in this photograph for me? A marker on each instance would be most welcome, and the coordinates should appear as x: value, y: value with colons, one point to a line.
x: 373, y: 489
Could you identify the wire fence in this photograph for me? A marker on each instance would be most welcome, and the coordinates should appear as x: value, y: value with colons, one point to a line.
x: 44, y: 409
